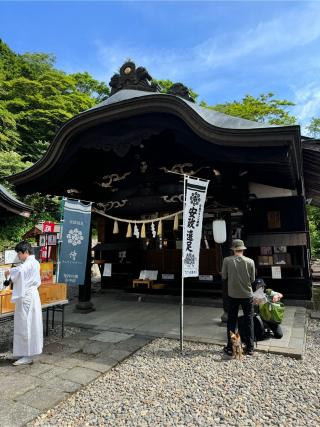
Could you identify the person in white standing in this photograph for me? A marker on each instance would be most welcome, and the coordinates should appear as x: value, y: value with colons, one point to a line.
x: 28, y: 328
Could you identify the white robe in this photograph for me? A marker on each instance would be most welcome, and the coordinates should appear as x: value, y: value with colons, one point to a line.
x: 28, y: 329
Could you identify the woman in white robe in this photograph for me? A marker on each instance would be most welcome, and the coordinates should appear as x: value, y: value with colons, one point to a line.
x: 28, y: 328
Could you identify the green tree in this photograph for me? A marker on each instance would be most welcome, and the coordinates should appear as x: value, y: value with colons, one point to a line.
x: 85, y: 83
x: 9, y: 135
x: 36, y: 99
x: 314, y: 127
x: 43, y: 207
x: 13, y: 230
x: 11, y: 163
x: 263, y: 109
x: 314, y: 228
x: 41, y: 106
x: 9, y: 62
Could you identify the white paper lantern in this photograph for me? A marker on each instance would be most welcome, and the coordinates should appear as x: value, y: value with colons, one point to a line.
x: 219, y: 230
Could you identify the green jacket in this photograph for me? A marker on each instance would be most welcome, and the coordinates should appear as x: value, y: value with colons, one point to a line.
x: 239, y: 271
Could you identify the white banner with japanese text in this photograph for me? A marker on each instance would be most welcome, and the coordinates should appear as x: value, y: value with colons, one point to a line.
x: 195, y: 197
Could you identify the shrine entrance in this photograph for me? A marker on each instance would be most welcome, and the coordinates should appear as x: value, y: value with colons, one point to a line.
x: 120, y: 155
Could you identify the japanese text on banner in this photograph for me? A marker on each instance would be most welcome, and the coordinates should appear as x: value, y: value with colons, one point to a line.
x: 195, y: 198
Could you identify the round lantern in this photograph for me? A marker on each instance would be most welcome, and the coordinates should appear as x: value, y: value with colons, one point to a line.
x: 219, y: 230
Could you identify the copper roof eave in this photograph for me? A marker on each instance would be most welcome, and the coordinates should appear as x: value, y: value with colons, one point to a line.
x: 157, y: 103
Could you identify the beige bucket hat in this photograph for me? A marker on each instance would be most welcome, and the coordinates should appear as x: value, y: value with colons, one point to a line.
x: 238, y: 245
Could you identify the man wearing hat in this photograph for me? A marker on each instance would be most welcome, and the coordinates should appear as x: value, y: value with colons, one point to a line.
x: 239, y: 272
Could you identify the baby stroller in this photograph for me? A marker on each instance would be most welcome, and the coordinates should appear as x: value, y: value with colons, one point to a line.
x: 264, y: 302
x: 264, y: 325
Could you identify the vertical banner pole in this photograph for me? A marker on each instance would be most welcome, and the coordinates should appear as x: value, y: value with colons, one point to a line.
x: 60, y: 238
x: 182, y: 268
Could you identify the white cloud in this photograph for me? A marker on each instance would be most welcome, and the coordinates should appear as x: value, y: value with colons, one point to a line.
x: 269, y: 48
x: 294, y: 29
x: 160, y: 63
x: 288, y: 31
x: 307, y: 100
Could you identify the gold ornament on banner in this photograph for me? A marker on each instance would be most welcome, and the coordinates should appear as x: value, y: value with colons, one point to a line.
x: 176, y: 223
x: 143, y: 231
x: 115, y: 227
x: 159, y: 231
x: 129, y: 231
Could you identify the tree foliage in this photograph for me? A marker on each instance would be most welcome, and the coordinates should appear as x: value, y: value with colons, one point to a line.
x: 9, y: 135
x: 263, y: 109
x: 13, y: 230
x: 314, y: 229
x: 314, y: 127
x: 11, y: 163
x: 36, y: 99
x: 43, y: 207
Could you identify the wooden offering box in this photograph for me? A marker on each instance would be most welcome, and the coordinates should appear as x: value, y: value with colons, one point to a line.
x: 6, y: 306
x: 51, y: 292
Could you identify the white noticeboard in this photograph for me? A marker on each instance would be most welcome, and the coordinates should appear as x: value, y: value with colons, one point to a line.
x: 206, y: 277
x: 107, y: 270
x: 148, y: 275
x: 166, y: 276
x: 11, y: 257
x: 276, y: 272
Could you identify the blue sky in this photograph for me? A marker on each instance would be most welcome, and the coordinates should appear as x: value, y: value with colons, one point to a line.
x: 223, y: 50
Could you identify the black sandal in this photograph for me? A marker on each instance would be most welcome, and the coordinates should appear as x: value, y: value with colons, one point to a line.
x: 228, y: 351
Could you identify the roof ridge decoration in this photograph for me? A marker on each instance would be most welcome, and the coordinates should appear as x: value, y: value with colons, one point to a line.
x: 131, y: 77
x: 179, y: 89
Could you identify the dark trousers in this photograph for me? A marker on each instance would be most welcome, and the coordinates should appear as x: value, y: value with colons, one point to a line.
x: 233, y: 310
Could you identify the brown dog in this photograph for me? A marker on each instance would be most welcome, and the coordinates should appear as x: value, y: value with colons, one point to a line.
x: 237, y: 351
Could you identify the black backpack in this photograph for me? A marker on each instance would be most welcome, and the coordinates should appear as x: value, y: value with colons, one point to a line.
x: 259, y: 329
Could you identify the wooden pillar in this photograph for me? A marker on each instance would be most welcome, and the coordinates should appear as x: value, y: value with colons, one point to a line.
x: 101, y: 228
x: 84, y: 304
x: 226, y: 252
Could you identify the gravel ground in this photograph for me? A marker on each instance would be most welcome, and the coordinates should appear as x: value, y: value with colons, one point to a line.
x: 159, y: 387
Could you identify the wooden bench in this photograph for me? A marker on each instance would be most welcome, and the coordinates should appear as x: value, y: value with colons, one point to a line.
x: 137, y: 282
x: 147, y: 277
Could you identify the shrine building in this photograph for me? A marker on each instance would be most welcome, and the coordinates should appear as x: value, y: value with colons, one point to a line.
x: 120, y: 155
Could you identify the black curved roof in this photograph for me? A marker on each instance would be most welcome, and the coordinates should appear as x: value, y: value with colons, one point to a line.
x: 215, y: 128
x: 212, y: 117
x: 8, y: 203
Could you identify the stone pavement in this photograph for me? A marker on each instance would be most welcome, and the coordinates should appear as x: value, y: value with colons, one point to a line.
x: 201, y: 323
x: 63, y: 368
x: 107, y: 336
